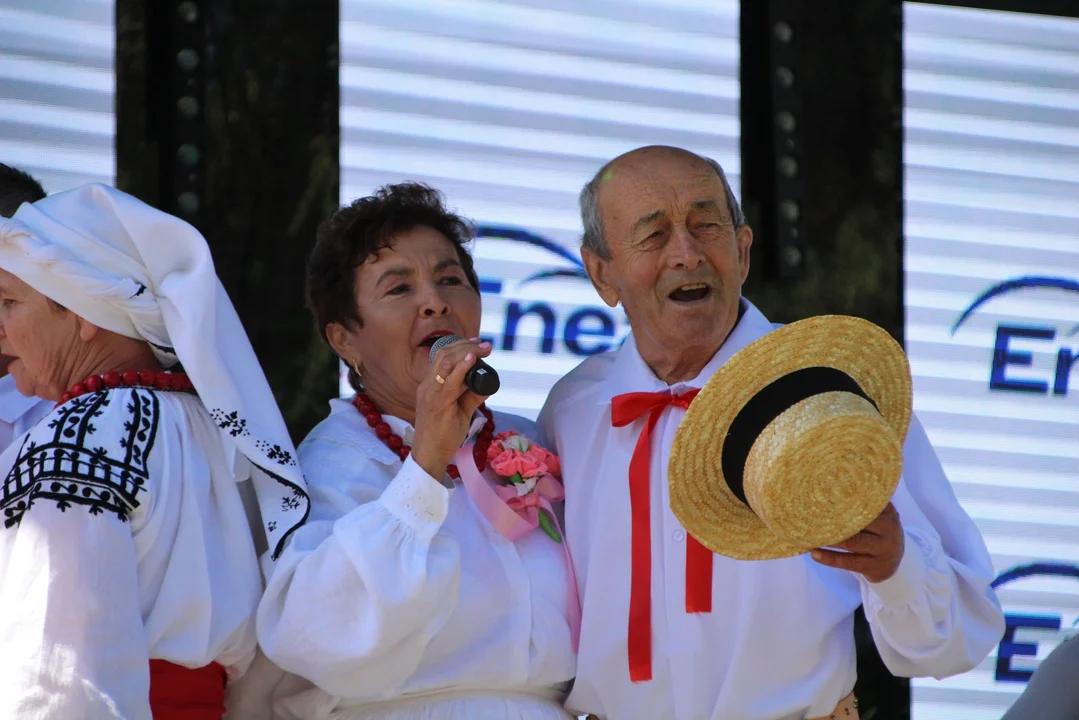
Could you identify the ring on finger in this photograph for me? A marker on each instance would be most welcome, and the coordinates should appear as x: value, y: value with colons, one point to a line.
x: 440, y: 380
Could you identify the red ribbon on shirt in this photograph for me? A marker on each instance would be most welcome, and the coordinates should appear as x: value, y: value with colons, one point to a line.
x: 625, y: 409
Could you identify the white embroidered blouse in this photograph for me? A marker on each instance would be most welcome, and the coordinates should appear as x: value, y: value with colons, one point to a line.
x: 124, y: 539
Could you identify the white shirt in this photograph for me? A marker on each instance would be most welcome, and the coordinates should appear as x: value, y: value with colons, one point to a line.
x: 124, y: 540
x: 398, y: 599
x: 779, y: 640
x: 18, y: 413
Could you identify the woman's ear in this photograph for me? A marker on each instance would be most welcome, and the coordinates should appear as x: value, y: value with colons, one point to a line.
x: 343, y: 343
x: 87, y: 330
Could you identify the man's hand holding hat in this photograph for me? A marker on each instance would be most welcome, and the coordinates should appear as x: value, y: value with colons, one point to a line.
x: 874, y: 553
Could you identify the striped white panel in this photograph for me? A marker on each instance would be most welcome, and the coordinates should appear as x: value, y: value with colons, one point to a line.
x: 509, y: 107
x: 992, y: 195
x: 56, y: 90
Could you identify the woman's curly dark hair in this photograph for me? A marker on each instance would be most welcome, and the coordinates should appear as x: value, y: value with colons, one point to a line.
x: 357, y: 231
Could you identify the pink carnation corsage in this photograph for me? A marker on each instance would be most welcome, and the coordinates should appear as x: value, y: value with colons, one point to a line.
x: 531, y: 477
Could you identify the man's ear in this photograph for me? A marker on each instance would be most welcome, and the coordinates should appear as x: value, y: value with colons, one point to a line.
x: 744, y: 237
x: 343, y: 343
x: 599, y: 272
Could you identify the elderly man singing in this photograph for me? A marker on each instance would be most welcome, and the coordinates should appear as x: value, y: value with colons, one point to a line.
x: 766, y: 640
x: 128, y: 570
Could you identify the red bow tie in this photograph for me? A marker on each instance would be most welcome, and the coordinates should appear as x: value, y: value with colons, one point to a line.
x: 625, y: 409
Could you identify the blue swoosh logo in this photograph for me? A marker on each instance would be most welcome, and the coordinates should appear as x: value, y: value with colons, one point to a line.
x: 1022, y: 571
x: 1017, y: 284
x: 524, y: 236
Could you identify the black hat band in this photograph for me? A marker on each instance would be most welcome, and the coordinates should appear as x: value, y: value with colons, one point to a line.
x: 769, y: 403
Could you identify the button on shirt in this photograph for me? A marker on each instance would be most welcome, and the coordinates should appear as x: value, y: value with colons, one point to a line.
x: 779, y: 642
x: 18, y: 413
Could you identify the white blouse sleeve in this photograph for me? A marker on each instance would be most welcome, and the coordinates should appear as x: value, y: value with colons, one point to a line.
x: 76, y: 647
x: 361, y: 588
x: 937, y: 616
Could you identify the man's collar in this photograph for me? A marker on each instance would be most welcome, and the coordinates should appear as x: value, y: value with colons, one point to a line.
x: 630, y: 373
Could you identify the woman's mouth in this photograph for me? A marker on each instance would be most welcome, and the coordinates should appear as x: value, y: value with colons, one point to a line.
x: 433, y: 337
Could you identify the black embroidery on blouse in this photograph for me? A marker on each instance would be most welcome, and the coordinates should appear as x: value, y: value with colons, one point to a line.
x: 163, y: 348
x: 230, y: 422
x: 298, y: 500
x: 236, y: 426
x: 275, y: 452
x: 78, y: 466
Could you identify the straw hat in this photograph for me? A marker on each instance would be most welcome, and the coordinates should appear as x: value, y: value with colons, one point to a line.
x: 808, y: 424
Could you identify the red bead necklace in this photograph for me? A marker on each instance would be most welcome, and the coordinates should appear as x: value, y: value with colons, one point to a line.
x: 363, y: 404
x: 161, y: 380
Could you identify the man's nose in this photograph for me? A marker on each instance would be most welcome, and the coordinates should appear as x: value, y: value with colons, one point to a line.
x: 684, y: 249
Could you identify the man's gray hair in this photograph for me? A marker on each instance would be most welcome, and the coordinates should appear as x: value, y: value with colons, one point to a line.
x: 593, y: 238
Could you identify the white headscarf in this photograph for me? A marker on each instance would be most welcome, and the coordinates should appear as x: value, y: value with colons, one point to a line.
x: 142, y: 273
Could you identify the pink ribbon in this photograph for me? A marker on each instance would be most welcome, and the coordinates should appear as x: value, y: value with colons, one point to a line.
x: 514, y: 517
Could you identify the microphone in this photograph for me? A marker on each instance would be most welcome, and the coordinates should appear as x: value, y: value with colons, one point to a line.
x: 481, y: 378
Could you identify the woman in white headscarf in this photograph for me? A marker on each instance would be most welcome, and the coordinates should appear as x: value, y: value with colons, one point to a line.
x: 129, y: 576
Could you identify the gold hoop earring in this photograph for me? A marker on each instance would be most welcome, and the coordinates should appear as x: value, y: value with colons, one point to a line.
x: 355, y: 367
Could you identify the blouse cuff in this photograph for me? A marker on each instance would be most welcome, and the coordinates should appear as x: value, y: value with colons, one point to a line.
x: 417, y: 499
x: 909, y: 579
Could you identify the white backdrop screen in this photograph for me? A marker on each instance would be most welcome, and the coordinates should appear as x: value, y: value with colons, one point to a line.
x: 992, y: 312
x: 57, y: 88
x: 509, y: 108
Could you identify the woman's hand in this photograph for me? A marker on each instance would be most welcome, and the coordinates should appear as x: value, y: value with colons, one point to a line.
x: 444, y: 409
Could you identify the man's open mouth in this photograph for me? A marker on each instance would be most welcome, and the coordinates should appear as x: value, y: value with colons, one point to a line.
x: 690, y: 293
